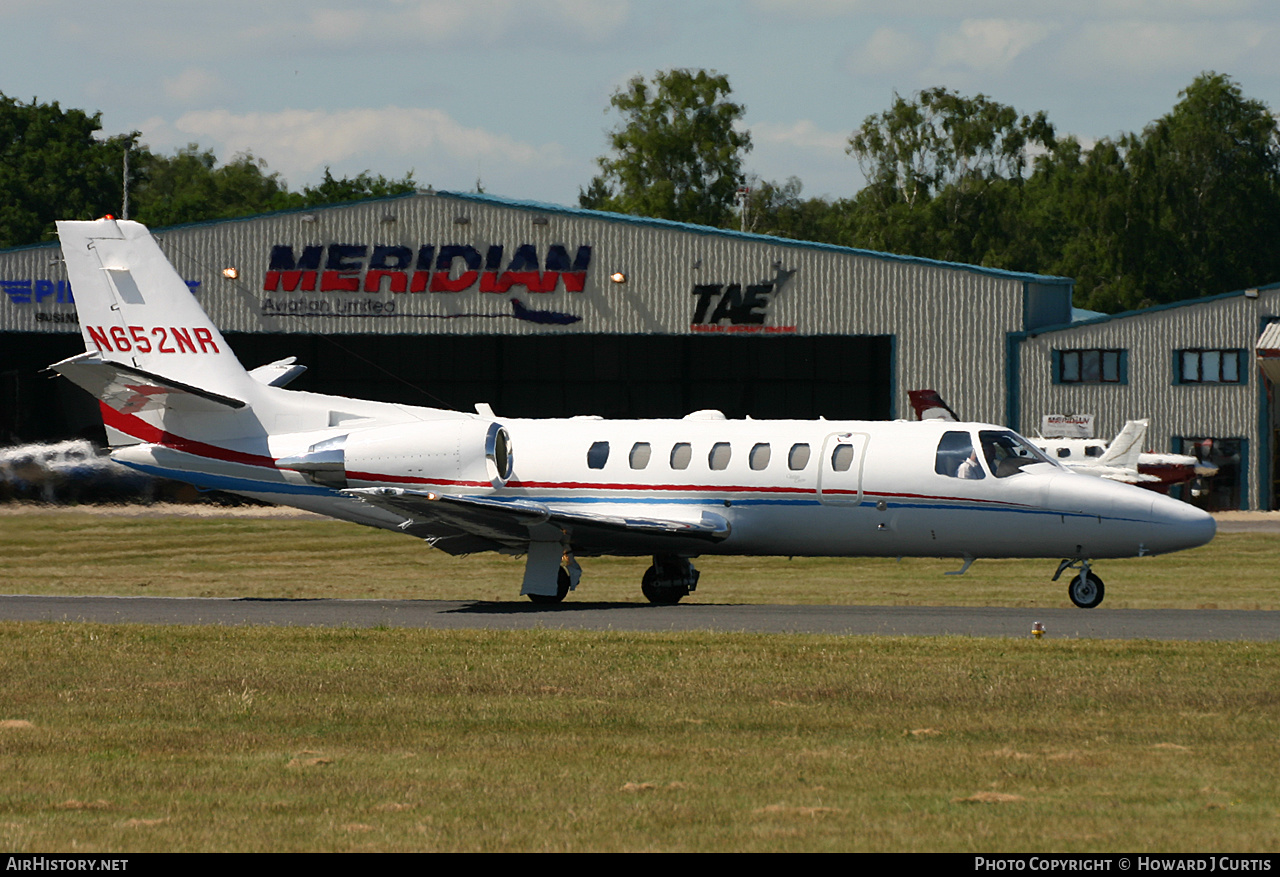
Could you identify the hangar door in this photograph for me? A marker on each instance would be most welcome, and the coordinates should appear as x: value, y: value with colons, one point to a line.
x: 800, y: 377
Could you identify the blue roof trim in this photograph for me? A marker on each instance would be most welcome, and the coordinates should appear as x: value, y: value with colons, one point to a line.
x: 627, y: 219
x: 1123, y: 315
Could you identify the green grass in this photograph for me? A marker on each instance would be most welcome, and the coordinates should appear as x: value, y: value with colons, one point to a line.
x: 132, y: 738
x: 138, y: 738
x: 70, y: 552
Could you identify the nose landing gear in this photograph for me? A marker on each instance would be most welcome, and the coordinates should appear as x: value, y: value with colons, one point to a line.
x: 1086, y: 589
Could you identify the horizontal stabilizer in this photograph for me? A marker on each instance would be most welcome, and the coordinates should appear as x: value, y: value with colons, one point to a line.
x: 130, y: 390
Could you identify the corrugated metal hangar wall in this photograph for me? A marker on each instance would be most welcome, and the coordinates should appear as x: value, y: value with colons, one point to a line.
x: 1189, y: 367
x: 541, y: 311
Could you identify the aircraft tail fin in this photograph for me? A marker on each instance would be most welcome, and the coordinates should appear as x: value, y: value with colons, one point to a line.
x: 1126, y: 446
x: 929, y: 405
x: 147, y: 340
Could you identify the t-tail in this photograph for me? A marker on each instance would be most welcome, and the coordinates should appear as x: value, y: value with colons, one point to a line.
x: 150, y: 349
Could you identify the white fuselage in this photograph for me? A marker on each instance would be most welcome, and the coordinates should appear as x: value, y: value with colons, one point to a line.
x: 882, y: 495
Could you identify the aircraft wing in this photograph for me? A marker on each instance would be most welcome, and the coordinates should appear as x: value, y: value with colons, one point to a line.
x: 466, y: 524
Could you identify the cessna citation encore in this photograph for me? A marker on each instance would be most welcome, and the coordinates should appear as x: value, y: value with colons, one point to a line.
x: 178, y: 404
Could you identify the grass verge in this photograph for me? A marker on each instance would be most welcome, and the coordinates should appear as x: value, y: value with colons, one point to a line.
x: 68, y: 552
x: 138, y: 738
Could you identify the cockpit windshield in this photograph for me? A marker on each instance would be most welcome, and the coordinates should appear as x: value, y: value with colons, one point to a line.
x: 1007, y: 452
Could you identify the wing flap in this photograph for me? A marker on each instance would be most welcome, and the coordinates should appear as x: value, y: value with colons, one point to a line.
x: 447, y: 520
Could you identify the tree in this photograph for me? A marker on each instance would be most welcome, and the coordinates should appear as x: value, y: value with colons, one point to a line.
x: 52, y: 167
x: 190, y: 187
x: 915, y: 150
x: 678, y: 153
x: 777, y: 209
x: 944, y: 176
x: 1210, y: 171
x: 364, y: 185
x: 1189, y: 207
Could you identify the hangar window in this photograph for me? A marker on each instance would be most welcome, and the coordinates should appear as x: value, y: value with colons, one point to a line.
x: 760, y: 456
x: 640, y: 455
x: 681, y: 454
x: 1090, y: 366
x: 598, y: 455
x: 1207, y: 366
x: 798, y: 458
x: 719, y: 456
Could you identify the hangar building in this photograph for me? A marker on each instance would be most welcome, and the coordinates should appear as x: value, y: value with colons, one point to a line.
x: 449, y: 299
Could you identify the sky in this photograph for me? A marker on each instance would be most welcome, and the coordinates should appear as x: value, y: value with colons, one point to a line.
x: 515, y: 93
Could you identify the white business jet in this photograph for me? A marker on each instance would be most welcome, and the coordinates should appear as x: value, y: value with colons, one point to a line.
x: 178, y: 404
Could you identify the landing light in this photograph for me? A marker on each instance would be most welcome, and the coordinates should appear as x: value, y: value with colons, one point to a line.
x: 618, y: 277
x: 231, y: 273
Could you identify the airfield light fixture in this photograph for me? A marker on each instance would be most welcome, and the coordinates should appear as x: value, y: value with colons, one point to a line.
x: 231, y: 273
x: 618, y: 277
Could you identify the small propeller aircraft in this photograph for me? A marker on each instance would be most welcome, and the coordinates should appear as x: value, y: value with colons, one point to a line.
x: 1122, y: 459
x: 178, y: 404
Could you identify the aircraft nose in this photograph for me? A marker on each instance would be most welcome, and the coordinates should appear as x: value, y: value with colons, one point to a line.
x: 1188, y: 526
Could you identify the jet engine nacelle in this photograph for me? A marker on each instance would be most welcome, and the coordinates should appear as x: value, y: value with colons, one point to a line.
x: 471, y: 452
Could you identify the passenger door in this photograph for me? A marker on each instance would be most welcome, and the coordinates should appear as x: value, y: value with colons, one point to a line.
x: 840, y: 468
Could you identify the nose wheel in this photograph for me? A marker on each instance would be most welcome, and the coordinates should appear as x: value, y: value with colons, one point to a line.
x: 1086, y: 589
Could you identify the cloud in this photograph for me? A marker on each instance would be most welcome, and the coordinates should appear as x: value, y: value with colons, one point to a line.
x: 299, y: 144
x: 1147, y: 46
x: 802, y: 134
x: 462, y: 24
x: 990, y: 43
x: 192, y: 85
x: 888, y: 51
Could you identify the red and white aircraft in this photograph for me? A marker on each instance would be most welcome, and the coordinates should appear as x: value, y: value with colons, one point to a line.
x: 178, y: 404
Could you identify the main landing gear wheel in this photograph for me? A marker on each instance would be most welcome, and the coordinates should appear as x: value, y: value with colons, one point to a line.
x: 562, y: 589
x: 668, y: 580
x: 1086, y: 590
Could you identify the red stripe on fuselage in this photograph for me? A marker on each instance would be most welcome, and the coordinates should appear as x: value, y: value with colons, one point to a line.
x: 138, y: 428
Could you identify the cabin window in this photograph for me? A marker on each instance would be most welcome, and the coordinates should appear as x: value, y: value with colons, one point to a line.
x: 681, y: 454
x: 1089, y: 366
x: 1007, y: 452
x: 598, y: 455
x: 1208, y: 367
x: 956, y: 457
x: 719, y: 456
x: 1093, y: 450
x: 640, y: 455
x: 842, y: 458
x: 759, y: 458
x: 798, y: 458
x: 1063, y: 453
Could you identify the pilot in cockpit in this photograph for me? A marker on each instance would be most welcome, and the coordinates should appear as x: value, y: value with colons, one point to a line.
x: 970, y: 468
